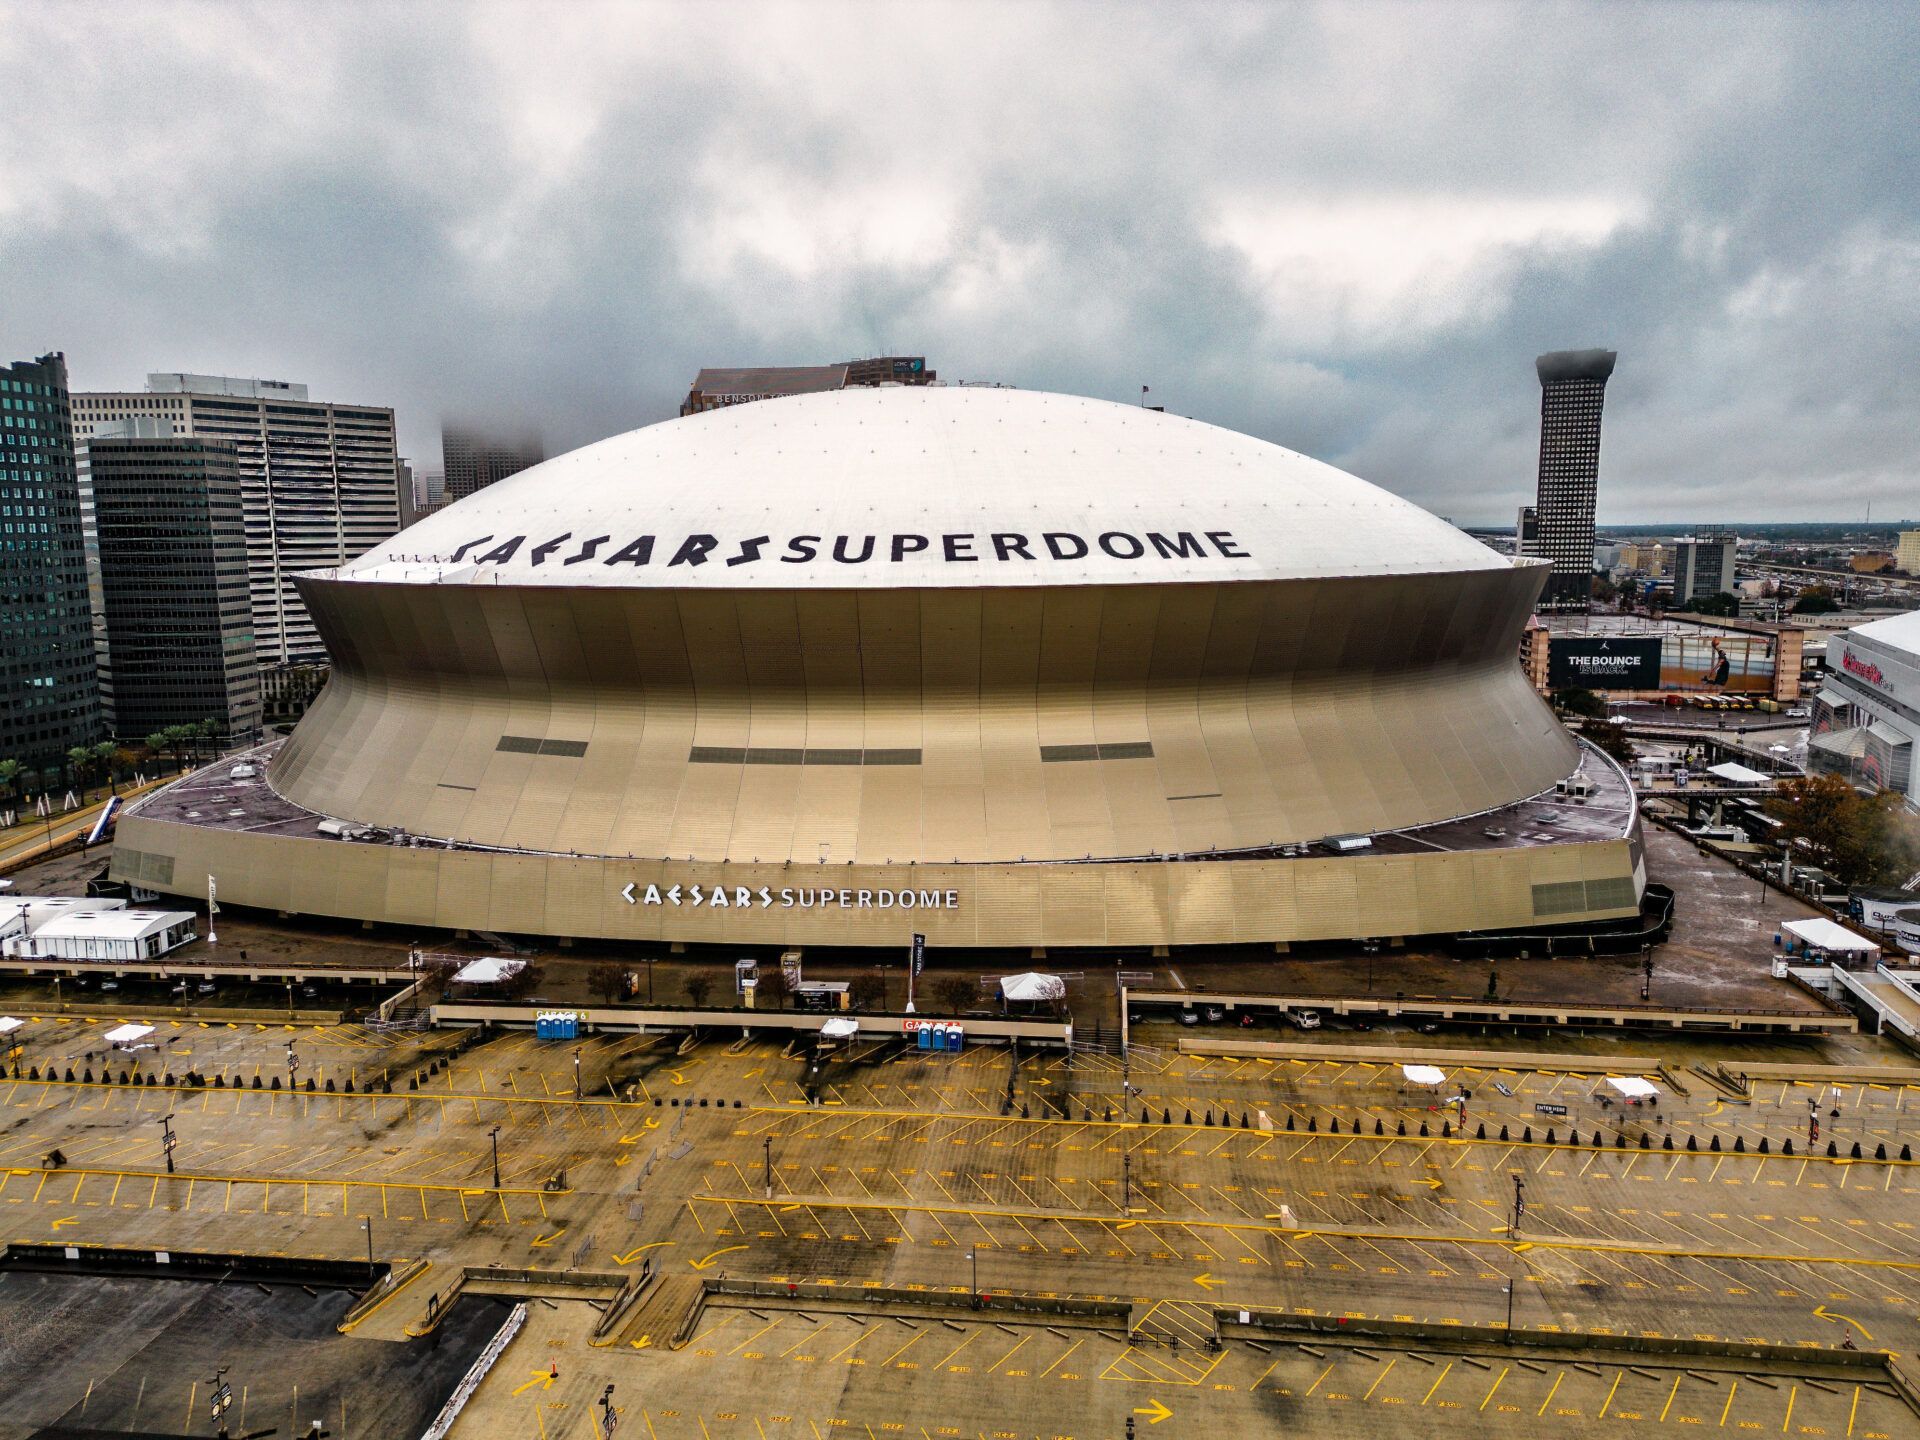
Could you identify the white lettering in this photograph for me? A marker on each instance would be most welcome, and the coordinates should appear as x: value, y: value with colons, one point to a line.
x: 885, y: 898
x: 866, y: 899
x: 718, y: 900
x: 929, y: 899
x: 695, y: 892
x: 786, y: 899
x: 674, y: 894
x: 953, y: 899
x: 742, y: 896
x: 766, y: 897
x: 844, y: 902
x: 652, y: 897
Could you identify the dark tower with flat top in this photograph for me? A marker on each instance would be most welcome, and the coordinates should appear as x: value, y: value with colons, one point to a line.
x: 1573, y: 386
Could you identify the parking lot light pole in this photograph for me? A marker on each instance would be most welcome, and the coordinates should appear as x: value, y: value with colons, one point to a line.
x: 1126, y: 1181
x: 1519, y: 1203
x: 973, y: 1259
x: 494, y: 1135
x: 367, y: 1224
x: 767, y: 1141
x: 1509, y: 1309
x: 167, y: 1139
x: 576, y: 1072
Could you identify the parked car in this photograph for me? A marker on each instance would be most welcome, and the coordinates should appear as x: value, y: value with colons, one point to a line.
x: 1305, y: 1019
x: 1213, y: 1014
x: 1188, y: 1016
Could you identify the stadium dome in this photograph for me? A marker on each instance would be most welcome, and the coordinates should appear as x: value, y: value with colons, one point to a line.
x: 1000, y: 669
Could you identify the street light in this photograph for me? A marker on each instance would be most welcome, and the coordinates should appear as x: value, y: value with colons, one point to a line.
x: 973, y: 1258
x: 767, y: 1141
x: 1519, y: 1203
x: 167, y: 1139
x: 609, y: 1417
x: 576, y: 1072
x: 494, y: 1135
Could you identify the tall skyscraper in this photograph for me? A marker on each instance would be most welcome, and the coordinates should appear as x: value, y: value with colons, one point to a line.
x: 1573, y: 385
x: 176, y: 619
x: 49, y: 693
x: 474, y: 457
x: 317, y: 483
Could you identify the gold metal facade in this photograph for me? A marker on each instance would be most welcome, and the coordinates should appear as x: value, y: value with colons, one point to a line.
x: 885, y: 726
x: 1150, y: 903
x: 848, y: 767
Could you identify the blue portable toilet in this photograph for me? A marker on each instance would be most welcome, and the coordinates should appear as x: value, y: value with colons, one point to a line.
x: 952, y: 1037
x: 923, y: 1038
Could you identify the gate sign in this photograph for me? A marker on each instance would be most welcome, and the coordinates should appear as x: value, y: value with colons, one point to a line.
x: 1603, y: 662
x: 1546, y: 1109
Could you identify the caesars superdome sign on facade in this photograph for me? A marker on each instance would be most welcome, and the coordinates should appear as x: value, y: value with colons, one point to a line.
x: 1002, y: 546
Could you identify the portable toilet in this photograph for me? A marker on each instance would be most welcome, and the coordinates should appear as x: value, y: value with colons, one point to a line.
x: 953, y: 1036
x: 925, y: 1037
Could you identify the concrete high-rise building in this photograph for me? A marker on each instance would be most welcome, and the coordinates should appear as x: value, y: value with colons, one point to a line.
x: 1573, y: 386
x: 49, y: 692
x: 475, y: 457
x: 1703, y: 567
x: 317, y: 482
x: 1526, y: 531
x: 175, y: 614
x: 1907, y: 556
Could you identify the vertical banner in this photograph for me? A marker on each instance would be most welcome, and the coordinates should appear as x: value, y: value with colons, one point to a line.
x: 919, y: 952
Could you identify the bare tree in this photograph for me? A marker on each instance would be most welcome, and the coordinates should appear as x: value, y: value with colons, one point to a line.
x: 953, y: 994
x: 867, y: 991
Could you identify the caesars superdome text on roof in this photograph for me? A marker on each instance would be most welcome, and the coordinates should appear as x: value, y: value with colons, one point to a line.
x: 999, y: 545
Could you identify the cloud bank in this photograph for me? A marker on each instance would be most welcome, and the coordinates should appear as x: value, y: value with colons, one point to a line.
x: 1347, y: 228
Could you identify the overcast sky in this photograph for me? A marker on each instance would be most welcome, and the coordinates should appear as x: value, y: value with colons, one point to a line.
x: 1347, y: 228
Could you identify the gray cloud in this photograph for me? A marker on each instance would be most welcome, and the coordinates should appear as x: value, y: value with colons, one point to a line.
x: 1344, y: 228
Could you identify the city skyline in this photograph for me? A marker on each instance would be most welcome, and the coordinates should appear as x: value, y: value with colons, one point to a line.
x: 1345, y: 232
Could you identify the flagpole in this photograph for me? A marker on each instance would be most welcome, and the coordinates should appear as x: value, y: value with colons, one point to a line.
x: 213, y: 909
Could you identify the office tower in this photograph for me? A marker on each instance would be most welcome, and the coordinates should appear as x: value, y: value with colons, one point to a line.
x: 1573, y: 385
x: 49, y: 693
x: 317, y: 483
x: 1526, y: 531
x: 715, y: 388
x: 475, y: 457
x: 176, y: 616
x: 1703, y: 567
x: 1907, y: 556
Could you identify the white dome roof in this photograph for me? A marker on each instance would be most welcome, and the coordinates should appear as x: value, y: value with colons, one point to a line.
x: 912, y: 487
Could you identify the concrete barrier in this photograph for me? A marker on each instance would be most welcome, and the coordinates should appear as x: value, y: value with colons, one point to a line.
x: 993, y: 1302
x: 640, y: 1019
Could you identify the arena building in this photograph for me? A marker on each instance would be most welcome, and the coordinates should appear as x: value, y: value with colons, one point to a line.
x: 1006, y: 668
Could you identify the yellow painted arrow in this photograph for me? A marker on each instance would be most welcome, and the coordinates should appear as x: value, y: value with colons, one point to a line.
x: 545, y: 1240
x: 1826, y: 1314
x: 678, y: 1078
x: 620, y: 1160
x: 542, y: 1378
x: 1430, y: 1183
x: 1206, y: 1281
x: 707, y: 1263
x: 633, y: 1255
x: 1155, y: 1412
x: 643, y: 1342
x: 66, y: 1220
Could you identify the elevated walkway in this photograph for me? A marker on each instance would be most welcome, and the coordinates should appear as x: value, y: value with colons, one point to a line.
x: 1889, y: 994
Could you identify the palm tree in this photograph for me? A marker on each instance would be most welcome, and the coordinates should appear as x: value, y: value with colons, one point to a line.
x: 79, y: 762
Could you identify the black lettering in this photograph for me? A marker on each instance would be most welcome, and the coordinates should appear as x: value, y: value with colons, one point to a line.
x: 587, y: 547
x: 1109, y: 542
x: 1052, y: 537
x: 1184, y: 544
x: 1009, y: 545
x: 840, y: 550
x: 749, y: 552
x: 958, y: 547
x: 638, y: 552
x: 1223, y: 542
x: 501, y: 553
x: 546, y: 547
x: 801, y: 549
x: 454, y: 558
x: 905, y: 545
x: 693, y: 551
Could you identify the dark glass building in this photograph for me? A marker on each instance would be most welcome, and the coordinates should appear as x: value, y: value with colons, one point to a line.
x: 49, y: 693
x: 1573, y: 386
x: 475, y: 458
x: 177, y: 632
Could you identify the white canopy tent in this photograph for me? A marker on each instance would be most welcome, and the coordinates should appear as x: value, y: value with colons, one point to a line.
x: 489, y: 970
x: 839, y: 1028
x: 1633, y: 1087
x: 126, y: 1034
x: 1823, y: 935
x: 1424, y: 1074
x: 1738, y: 774
x: 1033, y: 986
x: 8, y: 1024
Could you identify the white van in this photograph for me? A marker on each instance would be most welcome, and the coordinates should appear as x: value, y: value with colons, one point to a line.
x: 1305, y: 1019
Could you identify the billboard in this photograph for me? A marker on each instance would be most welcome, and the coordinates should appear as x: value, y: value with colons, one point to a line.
x: 1605, y: 662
